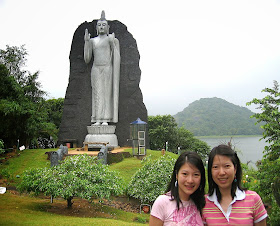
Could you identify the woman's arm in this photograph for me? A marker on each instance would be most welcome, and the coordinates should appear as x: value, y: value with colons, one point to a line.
x: 155, y: 221
x: 261, y: 223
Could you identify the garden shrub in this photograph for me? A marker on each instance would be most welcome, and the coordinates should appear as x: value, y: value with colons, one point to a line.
x: 257, y: 180
x: 268, y: 188
x: 117, y: 157
x: 5, y: 173
x: 273, y: 215
x: 152, y: 179
x: 126, y: 154
x: 249, y: 177
x: 77, y: 176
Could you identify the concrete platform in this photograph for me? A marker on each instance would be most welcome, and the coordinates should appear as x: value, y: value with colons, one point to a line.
x: 92, y: 153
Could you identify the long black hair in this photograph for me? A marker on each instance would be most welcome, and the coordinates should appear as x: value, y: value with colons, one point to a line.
x: 224, y: 150
x: 198, y: 196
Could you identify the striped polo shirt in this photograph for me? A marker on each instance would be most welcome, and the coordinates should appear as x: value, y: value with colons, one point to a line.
x: 245, y: 209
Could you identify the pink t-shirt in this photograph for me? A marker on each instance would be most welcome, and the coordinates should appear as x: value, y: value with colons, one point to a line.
x: 166, y: 210
x: 246, y: 209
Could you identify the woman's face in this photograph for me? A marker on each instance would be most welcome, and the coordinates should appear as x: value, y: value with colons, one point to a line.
x: 188, y: 179
x: 223, y: 171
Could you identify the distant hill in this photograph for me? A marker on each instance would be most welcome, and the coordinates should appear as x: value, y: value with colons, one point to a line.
x: 215, y: 116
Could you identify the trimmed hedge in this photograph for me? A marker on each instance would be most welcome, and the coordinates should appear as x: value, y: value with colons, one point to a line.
x: 117, y: 157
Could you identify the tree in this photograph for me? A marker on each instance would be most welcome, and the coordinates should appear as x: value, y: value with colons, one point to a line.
x: 270, y: 115
x: 77, y: 176
x: 14, y: 58
x: 11, y: 108
x: 54, y: 108
x: 164, y: 128
x: 22, y: 116
x: 48, y: 134
x: 269, y: 167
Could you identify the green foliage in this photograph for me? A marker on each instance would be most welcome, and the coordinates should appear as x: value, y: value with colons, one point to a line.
x: 152, y: 179
x: 215, y: 116
x: 190, y: 143
x: 270, y: 115
x: 5, y: 173
x: 269, y: 167
x: 268, y: 174
x: 129, y: 166
x: 142, y: 220
x: 14, y: 58
x: 24, y: 113
x: 274, y: 216
x: 249, y: 177
x: 80, y: 176
x: 34, y: 210
x: 163, y: 128
x: 54, y: 109
x: 268, y: 187
x: 1, y: 147
x: 117, y: 157
x: 114, y: 157
x: 20, y: 115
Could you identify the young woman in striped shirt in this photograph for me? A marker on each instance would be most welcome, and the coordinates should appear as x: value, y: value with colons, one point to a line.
x: 227, y: 202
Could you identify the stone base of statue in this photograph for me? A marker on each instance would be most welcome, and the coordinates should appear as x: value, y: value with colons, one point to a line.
x: 98, y: 135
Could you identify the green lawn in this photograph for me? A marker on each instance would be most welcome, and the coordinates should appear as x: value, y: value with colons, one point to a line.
x: 26, y: 210
x: 126, y: 168
x: 27, y: 159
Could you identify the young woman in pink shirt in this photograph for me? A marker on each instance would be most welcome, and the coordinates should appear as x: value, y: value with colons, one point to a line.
x: 227, y: 202
x: 184, y: 200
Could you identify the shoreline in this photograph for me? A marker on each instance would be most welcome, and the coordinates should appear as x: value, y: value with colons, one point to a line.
x: 226, y: 136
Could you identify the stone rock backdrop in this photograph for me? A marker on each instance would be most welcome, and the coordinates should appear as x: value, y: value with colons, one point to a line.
x: 77, y: 106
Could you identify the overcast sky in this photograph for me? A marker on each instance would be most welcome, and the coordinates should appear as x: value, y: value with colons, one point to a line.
x: 189, y: 49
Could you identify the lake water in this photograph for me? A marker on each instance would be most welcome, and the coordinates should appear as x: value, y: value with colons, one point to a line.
x: 248, y: 148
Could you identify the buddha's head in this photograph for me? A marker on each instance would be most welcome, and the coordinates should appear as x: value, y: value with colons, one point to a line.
x: 102, y: 26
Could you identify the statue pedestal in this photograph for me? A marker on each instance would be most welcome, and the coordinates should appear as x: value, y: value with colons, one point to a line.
x: 101, y: 134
